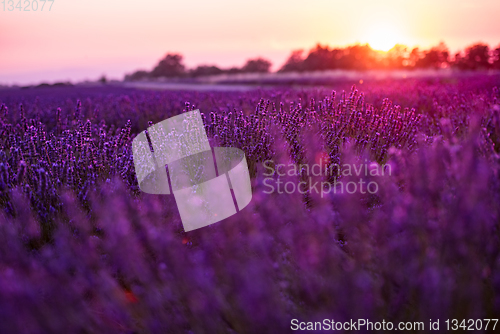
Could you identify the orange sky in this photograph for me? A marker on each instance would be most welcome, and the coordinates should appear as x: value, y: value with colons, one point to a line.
x: 79, y: 40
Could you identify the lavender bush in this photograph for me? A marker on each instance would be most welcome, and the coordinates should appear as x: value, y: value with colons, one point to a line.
x: 84, y: 251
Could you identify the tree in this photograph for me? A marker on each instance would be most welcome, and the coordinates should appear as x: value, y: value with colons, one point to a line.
x: 414, y: 57
x: 357, y: 57
x: 260, y: 65
x: 170, y: 66
x: 204, y: 70
x: 436, y: 57
x: 476, y: 57
x: 319, y: 58
x: 397, y: 57
x: 137, y: 75
x: 294, y: 63
x: 496, y: 58
x: 233, y: 70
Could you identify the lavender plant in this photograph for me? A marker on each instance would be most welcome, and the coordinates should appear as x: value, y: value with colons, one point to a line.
x: 83, y: 250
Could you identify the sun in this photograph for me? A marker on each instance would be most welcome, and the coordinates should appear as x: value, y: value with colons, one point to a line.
x: 383, y: 38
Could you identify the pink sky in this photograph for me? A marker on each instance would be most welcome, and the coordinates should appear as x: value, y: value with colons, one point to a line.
x: 80, y: 40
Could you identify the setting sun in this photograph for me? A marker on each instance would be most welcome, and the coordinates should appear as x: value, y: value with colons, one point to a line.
x: 383, y: 38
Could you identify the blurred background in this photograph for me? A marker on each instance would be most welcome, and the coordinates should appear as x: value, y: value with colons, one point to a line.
x: 87, y: 40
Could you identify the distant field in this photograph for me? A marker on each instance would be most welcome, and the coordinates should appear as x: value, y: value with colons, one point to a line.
x: 316, y: 77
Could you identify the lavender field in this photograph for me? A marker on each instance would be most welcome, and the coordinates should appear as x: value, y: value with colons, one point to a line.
x: 83, y: 250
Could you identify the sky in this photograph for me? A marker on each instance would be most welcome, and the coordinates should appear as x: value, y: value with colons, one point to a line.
x: 83, y: 40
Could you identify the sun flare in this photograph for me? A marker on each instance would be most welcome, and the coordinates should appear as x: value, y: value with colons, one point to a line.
x: 383, y: 38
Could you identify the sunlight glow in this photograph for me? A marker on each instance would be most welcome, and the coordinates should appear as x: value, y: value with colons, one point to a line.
x: 383, y: 38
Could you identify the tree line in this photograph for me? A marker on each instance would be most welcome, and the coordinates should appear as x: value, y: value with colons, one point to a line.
x: 478, y: 56
x: 172, y: 66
